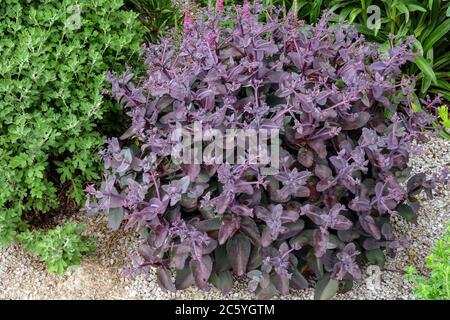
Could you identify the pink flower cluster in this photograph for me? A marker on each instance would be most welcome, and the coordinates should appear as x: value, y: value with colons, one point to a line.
x: 220, y: 5
x: 187, y: 21
x: 246, y: 14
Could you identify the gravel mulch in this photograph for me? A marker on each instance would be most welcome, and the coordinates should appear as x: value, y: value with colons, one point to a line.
x: 22, y: 276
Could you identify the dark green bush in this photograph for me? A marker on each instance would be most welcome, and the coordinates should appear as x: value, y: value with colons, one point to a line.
x: 54, y: 55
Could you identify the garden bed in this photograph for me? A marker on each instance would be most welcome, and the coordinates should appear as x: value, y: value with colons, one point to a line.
x: 100, y: 276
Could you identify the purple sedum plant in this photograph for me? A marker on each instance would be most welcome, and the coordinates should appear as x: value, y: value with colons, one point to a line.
x: 343, y: 110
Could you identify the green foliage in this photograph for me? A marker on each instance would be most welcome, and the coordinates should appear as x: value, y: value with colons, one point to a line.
x: 52, y: 70
x: 10, y: 223
x: 60, y: 247
x: 444, y: 121
x: 160, y: 17
x: 436, y: 286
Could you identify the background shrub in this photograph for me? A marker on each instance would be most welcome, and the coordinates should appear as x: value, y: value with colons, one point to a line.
x: 51, y: 107
x: 344, y: 112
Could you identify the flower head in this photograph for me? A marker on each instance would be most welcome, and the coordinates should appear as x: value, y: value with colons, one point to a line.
x: 246, y: 13
x: 220, y: 5
x: 187, y: 21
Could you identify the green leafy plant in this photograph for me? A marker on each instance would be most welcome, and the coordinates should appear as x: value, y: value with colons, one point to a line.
x: 160, y: 17
x: 435, y: 286
x: 60, y: 247
x: 444, y: 121
x: 54, y: 57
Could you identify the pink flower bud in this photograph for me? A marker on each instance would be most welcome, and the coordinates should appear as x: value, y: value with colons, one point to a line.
x: 246, y: 14
x: 187, y: 21
x: 220, y: 5
x: 212, y: 39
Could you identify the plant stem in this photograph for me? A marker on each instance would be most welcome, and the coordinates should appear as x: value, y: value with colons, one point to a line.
x: 364, y: 11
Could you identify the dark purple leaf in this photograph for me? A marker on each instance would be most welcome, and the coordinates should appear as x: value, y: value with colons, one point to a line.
x: 222, y: 281
x: 201, y: 271
x: 249, y: 228
x: 280, y: 283
x: 227, y: 230
x: 164, y: 278
x: 184, y: 278
x: 238, y: 252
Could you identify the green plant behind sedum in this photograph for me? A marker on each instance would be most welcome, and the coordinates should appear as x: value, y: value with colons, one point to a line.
x: 51, y: 104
